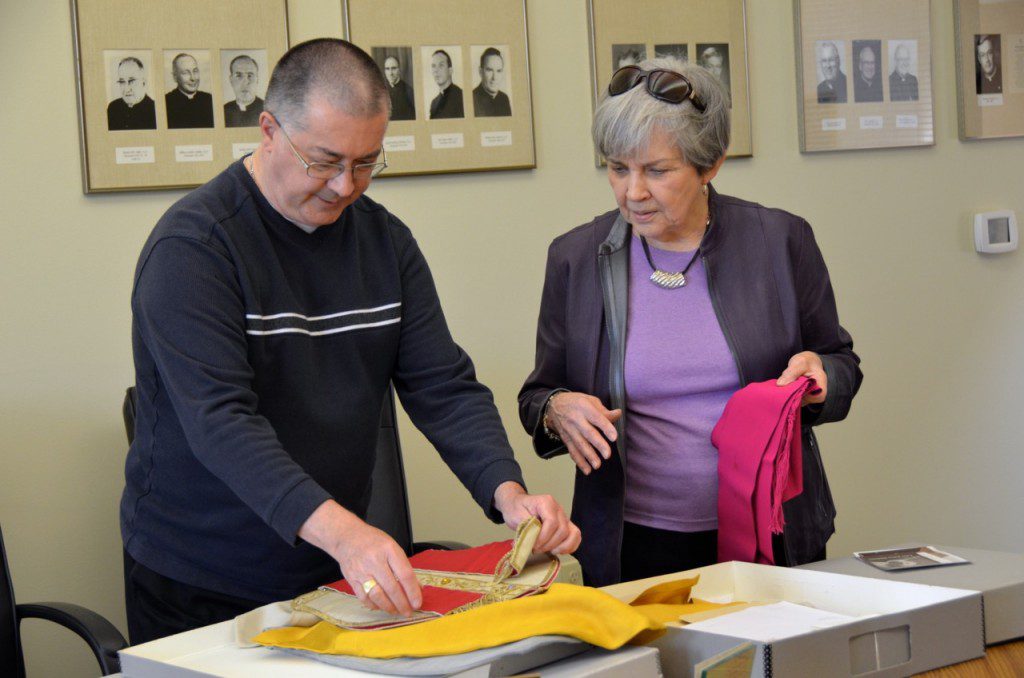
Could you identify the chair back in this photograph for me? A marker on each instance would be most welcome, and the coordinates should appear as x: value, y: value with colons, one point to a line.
x: 389, y: 495
x: 12, y: 662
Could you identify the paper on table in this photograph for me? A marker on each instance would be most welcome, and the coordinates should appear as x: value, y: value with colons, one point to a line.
x: 766, y: 623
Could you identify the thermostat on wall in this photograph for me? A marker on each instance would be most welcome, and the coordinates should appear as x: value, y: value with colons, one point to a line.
x: 995, y: 232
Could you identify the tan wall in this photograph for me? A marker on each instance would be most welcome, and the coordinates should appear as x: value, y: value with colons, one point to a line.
x: 931, y: 451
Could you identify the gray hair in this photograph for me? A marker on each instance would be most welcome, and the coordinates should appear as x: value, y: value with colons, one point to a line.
x: 624, y: 124
x: 336, y: 70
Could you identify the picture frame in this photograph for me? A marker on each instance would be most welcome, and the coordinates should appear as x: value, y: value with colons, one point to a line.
x: 459, y: 80
x: 990, y: 68
x: 169, y: 93
x: 714, y: 33
x: 864, y: 74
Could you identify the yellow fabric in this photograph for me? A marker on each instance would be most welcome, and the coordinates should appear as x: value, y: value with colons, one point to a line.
x: 577, y: 611
x: 671, y: 592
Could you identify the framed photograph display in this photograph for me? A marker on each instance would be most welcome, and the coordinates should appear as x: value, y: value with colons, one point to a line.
x: 990, y: 68
x: 863, y: 73
x: 169, y: 93
x: 709, y: 32
x: 459, y: 79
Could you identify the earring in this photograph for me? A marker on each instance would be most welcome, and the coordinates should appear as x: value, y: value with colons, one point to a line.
x: 704, y: 189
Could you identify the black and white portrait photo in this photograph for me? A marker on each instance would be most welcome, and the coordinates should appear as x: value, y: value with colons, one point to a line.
x: 679, y: 51
x: 715, y: 58
x: 396, y: 65
x: 130, y: 106
x: 988, y: 72
x: 442, y: 81
x: 188, y: 106
x: 867, y: 66
x: 491, y: 81
x: 628, y: 55
x: 903, y: 74
x: 831, y: 69
x: 243, y: 78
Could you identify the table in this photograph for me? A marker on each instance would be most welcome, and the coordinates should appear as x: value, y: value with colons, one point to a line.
x: 1005, y: 660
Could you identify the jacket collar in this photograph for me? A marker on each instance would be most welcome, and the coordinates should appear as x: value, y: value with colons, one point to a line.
x: 621, y: 229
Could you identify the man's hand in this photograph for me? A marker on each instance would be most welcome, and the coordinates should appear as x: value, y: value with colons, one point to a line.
x: 807, y: 364
x: 365, y: 554
x: 557, y: 533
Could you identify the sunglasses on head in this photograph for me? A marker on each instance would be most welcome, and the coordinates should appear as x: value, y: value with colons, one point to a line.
x: 667, y: 86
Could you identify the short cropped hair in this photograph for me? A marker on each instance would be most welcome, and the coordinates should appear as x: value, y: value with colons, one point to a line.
x: 447, y: 58
x: 131, y: 60
x: 489, y: 52
x: 624, y: 124
x: 242, y: 57
x: 334, y: 69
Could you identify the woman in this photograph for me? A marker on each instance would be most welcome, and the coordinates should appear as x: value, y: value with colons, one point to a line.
x: 654, y: 314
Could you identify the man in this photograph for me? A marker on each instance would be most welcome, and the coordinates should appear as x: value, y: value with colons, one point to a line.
x: 902, y: 83
x: 488, y: 99
x: 988, y: 79
x: 712, y: 59
x: 867, y: 86
x: 244, y: 76
x: 448, y: 102
x: 832, y: 89
x: 403, y: 103
x: 187, y: 107
x: 134, y: 110
x: 271, y: 308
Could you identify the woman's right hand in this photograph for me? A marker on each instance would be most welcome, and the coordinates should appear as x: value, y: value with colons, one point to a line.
x: 584, y: 425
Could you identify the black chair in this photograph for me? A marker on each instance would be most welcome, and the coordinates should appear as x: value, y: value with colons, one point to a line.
x: 389, y: 496
x: 103, y: 638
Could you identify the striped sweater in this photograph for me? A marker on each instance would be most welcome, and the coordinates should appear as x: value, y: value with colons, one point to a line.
x: 262, y: 357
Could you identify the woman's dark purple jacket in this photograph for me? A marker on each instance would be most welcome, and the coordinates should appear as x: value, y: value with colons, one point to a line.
x: 771, y: 292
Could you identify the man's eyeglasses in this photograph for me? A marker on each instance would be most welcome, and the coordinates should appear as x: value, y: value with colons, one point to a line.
x: 667, y: 86
x: 325, y: 171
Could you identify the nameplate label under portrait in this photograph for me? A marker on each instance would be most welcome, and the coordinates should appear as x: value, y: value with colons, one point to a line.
x: 872, y: 122
x: 134, y: 155
x: 488, y: 139
x: 400, y: 144
x: 833, y: 124
x: 194, y: 153
x: 990, y: 100
x: 906, y: 122
x: 453, y: 140
x: 241, y: 150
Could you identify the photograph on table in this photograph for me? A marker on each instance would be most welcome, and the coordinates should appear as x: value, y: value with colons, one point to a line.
x: 864, y: 74
x: 710, y: 34
x: 169, y: 93
x: 989, y: 36
x: 459, y: 79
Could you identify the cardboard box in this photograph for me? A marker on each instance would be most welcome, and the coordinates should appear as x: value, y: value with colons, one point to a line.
x: 211, y: 651
x: 900, y: 628
x: 998, y: 576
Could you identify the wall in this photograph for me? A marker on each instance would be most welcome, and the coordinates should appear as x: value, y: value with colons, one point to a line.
x: 930, y: 452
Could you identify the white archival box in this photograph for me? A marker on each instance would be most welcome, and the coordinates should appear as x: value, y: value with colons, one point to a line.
x: 998, y: 576
x: 900, y: 628
x: 211, y: 652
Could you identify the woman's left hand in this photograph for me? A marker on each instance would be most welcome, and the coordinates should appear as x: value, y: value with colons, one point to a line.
x: 807, y: 364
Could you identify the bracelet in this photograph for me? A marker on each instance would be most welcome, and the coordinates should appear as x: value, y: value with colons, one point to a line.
x: 551, y: 434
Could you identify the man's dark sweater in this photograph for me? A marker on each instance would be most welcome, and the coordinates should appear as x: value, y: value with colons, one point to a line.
x: 262, y: 358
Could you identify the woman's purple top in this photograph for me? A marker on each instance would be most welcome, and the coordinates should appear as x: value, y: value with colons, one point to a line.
x: 679, y: 374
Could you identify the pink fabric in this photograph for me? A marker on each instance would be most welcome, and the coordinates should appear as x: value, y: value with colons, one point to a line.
x: 759, y: 467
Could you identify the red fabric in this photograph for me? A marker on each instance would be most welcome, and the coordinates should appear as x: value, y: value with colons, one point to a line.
x: 435, y: 599
x: 477, y: 560
x: 759, y: 467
